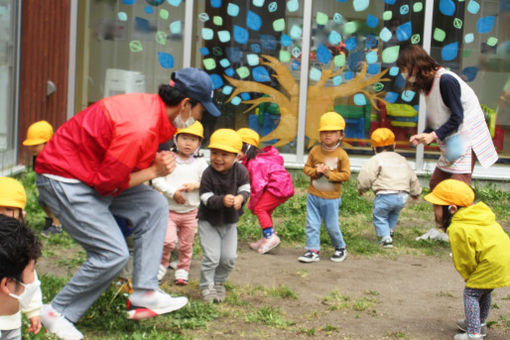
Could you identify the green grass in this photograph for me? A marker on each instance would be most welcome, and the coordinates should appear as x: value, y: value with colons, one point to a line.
x: 269, y: 316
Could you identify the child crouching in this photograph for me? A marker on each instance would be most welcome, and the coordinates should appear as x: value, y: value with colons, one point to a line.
x: 224, y: 188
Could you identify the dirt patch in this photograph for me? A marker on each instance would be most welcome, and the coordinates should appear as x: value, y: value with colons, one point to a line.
x: 410, y: 297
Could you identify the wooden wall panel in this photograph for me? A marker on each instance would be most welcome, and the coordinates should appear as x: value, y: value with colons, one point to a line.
x: 44, y: 56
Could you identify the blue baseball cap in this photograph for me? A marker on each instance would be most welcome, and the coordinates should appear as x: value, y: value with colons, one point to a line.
x: 196, y: 84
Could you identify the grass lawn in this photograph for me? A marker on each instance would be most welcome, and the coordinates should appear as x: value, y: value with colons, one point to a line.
x: 105, y: 320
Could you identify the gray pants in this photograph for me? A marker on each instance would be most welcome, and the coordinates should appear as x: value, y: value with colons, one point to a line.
x: 88, y: 218
x: 219, y: 247
x: 11, y: 334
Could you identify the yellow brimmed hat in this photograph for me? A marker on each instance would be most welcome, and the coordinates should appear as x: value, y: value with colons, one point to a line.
x: 38, y: 133
x: 195, y: 129
x: 226, y: 140
x: 331, y: 121
x: 12, y: 193
x: 451, y: 192
x: 249, y: 136
x: 382, y: 137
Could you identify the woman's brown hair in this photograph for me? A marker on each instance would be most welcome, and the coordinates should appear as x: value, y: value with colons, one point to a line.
x: 420, y: 65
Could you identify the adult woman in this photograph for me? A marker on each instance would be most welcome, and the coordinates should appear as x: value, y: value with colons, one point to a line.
x: 93, y: 168
x: 454, y: 117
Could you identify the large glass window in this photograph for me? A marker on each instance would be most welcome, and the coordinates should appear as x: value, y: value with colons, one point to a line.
x: 472, y: 38
x: 8, y: 67
x: 354, y: 48
x: 251, y: 49
x: 127, y: 46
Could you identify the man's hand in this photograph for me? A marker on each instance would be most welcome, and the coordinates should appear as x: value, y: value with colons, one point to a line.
x: 35, y: 325
x: 164, y: 163
x: 179, y: 198
x: 228, y: 200
x: 238, y: 202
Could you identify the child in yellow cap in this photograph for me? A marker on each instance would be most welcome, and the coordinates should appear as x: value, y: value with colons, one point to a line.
x: 391, y: 178
x: 328, y: 166
x: 38, y: 134
x: 181, y: 190
x: 12, y: 204
x: 224, y: 188
x: 480, y: 251
x: 270, y: 183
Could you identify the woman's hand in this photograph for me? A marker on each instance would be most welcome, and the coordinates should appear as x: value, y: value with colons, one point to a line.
x: 423, y: 138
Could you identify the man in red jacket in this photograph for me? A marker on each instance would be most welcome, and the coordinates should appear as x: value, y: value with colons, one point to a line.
x: 93, y: 168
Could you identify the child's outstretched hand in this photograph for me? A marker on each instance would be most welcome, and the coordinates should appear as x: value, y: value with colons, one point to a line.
x: 228, y: 200
x: 238, y: 202
x: 179, y: 198
x: 35, y: 325
x: 187, y: 187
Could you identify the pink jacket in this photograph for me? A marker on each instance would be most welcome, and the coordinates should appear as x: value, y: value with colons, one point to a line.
x: 268, y: 173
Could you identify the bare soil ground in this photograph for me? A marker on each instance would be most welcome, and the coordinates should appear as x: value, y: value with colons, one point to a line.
x: 384, y: 297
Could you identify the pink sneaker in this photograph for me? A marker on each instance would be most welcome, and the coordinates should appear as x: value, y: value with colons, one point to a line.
x: 256, y: 245
x: 269, y: 243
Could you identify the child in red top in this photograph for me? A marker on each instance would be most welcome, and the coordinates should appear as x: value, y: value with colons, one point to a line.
x: 271, y: 185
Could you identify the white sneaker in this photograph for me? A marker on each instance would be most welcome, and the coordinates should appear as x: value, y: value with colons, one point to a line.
x: 465, y: 336
x: 461, y: 325
x: 173, y: 264
x: 181, y: 277
x: 153, y: 303
x: 268, y: 244
x: 57, y: 324
x: 161, y: 272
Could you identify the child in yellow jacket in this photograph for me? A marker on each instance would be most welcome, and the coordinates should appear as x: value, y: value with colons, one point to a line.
x: 479, y: 249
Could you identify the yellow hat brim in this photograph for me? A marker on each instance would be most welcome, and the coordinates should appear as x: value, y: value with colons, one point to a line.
x: 432, y: 198
x: 226, y: 148
x: 30, y: 142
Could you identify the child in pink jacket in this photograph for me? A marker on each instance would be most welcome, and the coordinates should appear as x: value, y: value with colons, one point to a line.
x: 271, y: 185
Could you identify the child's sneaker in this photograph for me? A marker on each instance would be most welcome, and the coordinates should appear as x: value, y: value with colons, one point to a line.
x: 221, y: 292
x: 143, y: 305
x: 309, y: 256
x: 209, y: 294
x: 173, y: 264
x: 181, y: 277
x: 57, y: 324
x: 256, y: 245
x: 386, y: 242
x: 161, y: 272
x: 466, y: 336
x: 339, y: 255
x: 269, y: 243
x: 461, y: 325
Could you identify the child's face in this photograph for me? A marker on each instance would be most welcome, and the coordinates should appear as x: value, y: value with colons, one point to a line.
x: 36, y: 149
x: 187, y: 144
x: 221, y: 160
x: 331, y: 138
x: 11, y: 212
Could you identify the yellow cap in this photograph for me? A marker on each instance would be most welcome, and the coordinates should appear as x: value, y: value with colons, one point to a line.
x: 195, y: 129
x: 249, y: 136
x: 38, y: 133
x: 12, y: 193
x: 451, y: 192
x: 382, y: 137
x: 226, y: 140
x: 331, y: 121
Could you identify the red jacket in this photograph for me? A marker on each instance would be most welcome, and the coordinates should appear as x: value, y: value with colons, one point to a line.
x: 107, y: 141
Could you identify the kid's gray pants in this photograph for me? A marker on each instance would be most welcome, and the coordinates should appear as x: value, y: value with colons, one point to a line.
x: 219, y: 246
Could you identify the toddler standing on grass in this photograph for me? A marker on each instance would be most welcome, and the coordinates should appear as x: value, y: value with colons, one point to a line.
x: 270, y: 183
x: 480, y: 251
x: 181, y: 189
x: 328, y: 166
x: 224, y: 189
x: 38, y: 134
x: 391, y: 178
x: 12, y: 204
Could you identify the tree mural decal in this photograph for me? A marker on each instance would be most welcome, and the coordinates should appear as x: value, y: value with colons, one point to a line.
x: 320, y: 98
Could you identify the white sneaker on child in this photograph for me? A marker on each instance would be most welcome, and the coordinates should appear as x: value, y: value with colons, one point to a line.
x: 269, y: 243
x: 161, y: 272
x: 181, y: 277
x: 143, y: 305
x: 461, y: 325
x: 256, y: 245
x: 57, y: 324
x: 465, y: 336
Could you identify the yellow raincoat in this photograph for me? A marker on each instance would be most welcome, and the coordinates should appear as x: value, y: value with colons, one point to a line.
x: 480, y: 247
